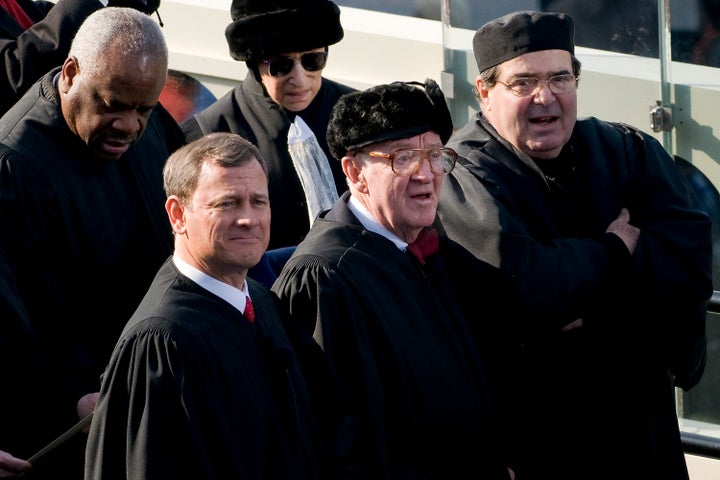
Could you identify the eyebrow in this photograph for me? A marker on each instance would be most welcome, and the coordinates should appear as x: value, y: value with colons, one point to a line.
x: 536, y: 75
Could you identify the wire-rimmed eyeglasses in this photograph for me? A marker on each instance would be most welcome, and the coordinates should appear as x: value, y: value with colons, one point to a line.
x: 281, y: 65
x: 526, y: 86
x: 407, y: 161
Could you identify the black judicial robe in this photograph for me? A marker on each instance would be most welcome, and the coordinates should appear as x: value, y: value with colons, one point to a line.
x: 86, y: 237
x: 579, y: 396
x: 195, y: 391
x: 398, y: 343
x: 248, y: 111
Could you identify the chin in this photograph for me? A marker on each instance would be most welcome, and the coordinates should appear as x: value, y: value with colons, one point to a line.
x: 543, y: 152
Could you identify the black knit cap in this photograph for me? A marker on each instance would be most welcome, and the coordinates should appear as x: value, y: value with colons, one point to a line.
x: 522, y: 32
x: 261, y: 28
x: 388, y: 112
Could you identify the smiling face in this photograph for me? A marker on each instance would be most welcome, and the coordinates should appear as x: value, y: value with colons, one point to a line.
x: 540, y: 124
x: 404, y: 204
x: 109, y: 108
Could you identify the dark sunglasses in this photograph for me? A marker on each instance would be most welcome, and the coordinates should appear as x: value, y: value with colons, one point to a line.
x: 281, y: 65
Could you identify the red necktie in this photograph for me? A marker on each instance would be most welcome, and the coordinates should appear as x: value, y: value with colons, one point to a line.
x: 249, y: 310
x: 425, y: 244
x: 17, y: 13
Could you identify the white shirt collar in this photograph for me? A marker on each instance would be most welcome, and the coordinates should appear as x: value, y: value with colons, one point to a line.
x: 227, y: 292
x: 369, y: 222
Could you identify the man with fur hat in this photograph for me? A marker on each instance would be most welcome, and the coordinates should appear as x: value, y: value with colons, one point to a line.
x: 382, y: 294
x: 284, y: 44
x: 609, y: 252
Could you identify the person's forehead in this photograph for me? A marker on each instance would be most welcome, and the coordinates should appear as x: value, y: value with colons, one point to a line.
x: 540, y: 61
x: 429, y: 138
x: 213, y: 175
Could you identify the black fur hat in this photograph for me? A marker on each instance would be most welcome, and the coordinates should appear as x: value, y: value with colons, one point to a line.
x: 388, y: 112
x: 261, y: 28
x: 519, y: 33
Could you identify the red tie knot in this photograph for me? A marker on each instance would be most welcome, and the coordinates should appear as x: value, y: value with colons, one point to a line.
x: 425, y: 244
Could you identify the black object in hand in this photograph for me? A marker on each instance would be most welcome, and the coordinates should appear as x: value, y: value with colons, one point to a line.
x: 145, y: 6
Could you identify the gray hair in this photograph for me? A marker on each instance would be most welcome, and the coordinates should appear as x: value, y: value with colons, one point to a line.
x: 125, y: 32
x: 182, y: 169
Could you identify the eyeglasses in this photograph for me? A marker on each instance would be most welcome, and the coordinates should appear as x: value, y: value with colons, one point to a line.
x: 281, y: 65
x: 526, y: 86
x: 407, y: 161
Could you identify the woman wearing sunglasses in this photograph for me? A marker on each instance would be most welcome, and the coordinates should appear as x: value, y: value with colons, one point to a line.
x: 284, y: 44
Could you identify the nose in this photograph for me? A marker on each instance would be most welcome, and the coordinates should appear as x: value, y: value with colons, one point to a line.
x: 298, y: 74
x: 246, y: 217
x: 543, y: 95
x: 128, y: 122
x: 423, y: 168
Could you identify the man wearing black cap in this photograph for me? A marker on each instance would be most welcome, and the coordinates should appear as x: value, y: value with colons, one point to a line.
x: 284, y: 44
x: 609, y: 253
x: 380, y: 292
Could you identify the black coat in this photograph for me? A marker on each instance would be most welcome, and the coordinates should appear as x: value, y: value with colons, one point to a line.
x: 398, y: 342
x: 250, y: 112
x: 195, y: 391
x: 28, y: 54
x: 86, y: 237
x: 581, y: 394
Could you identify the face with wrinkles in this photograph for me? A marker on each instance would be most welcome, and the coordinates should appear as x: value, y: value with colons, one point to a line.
x: 404, y: 204
x: 108, y: 108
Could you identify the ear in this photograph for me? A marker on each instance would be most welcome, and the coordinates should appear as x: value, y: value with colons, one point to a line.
x: 69, y: 71
x: 176, y: 214
x: 482, y: 92
x: 353, y: 173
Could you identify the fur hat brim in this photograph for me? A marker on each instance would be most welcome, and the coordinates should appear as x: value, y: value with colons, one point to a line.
x: 388, y: 112
x: 258, y: 36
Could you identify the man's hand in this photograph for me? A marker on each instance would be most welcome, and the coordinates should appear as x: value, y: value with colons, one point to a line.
x: 145, y: 6
x: 621, y: 227
x: 572, y: 325
x: 86, y: 405
x: 11, y: 467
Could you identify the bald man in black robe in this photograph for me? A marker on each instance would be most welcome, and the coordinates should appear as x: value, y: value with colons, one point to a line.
x: 81, y: 206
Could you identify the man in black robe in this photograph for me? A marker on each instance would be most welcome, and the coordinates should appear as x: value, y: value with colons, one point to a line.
x: 18, y: 366
x: 35, y: 36
x: 609, y: 252
x: 81, y: 196
x: 392, y: 326
x: 200, y: 386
